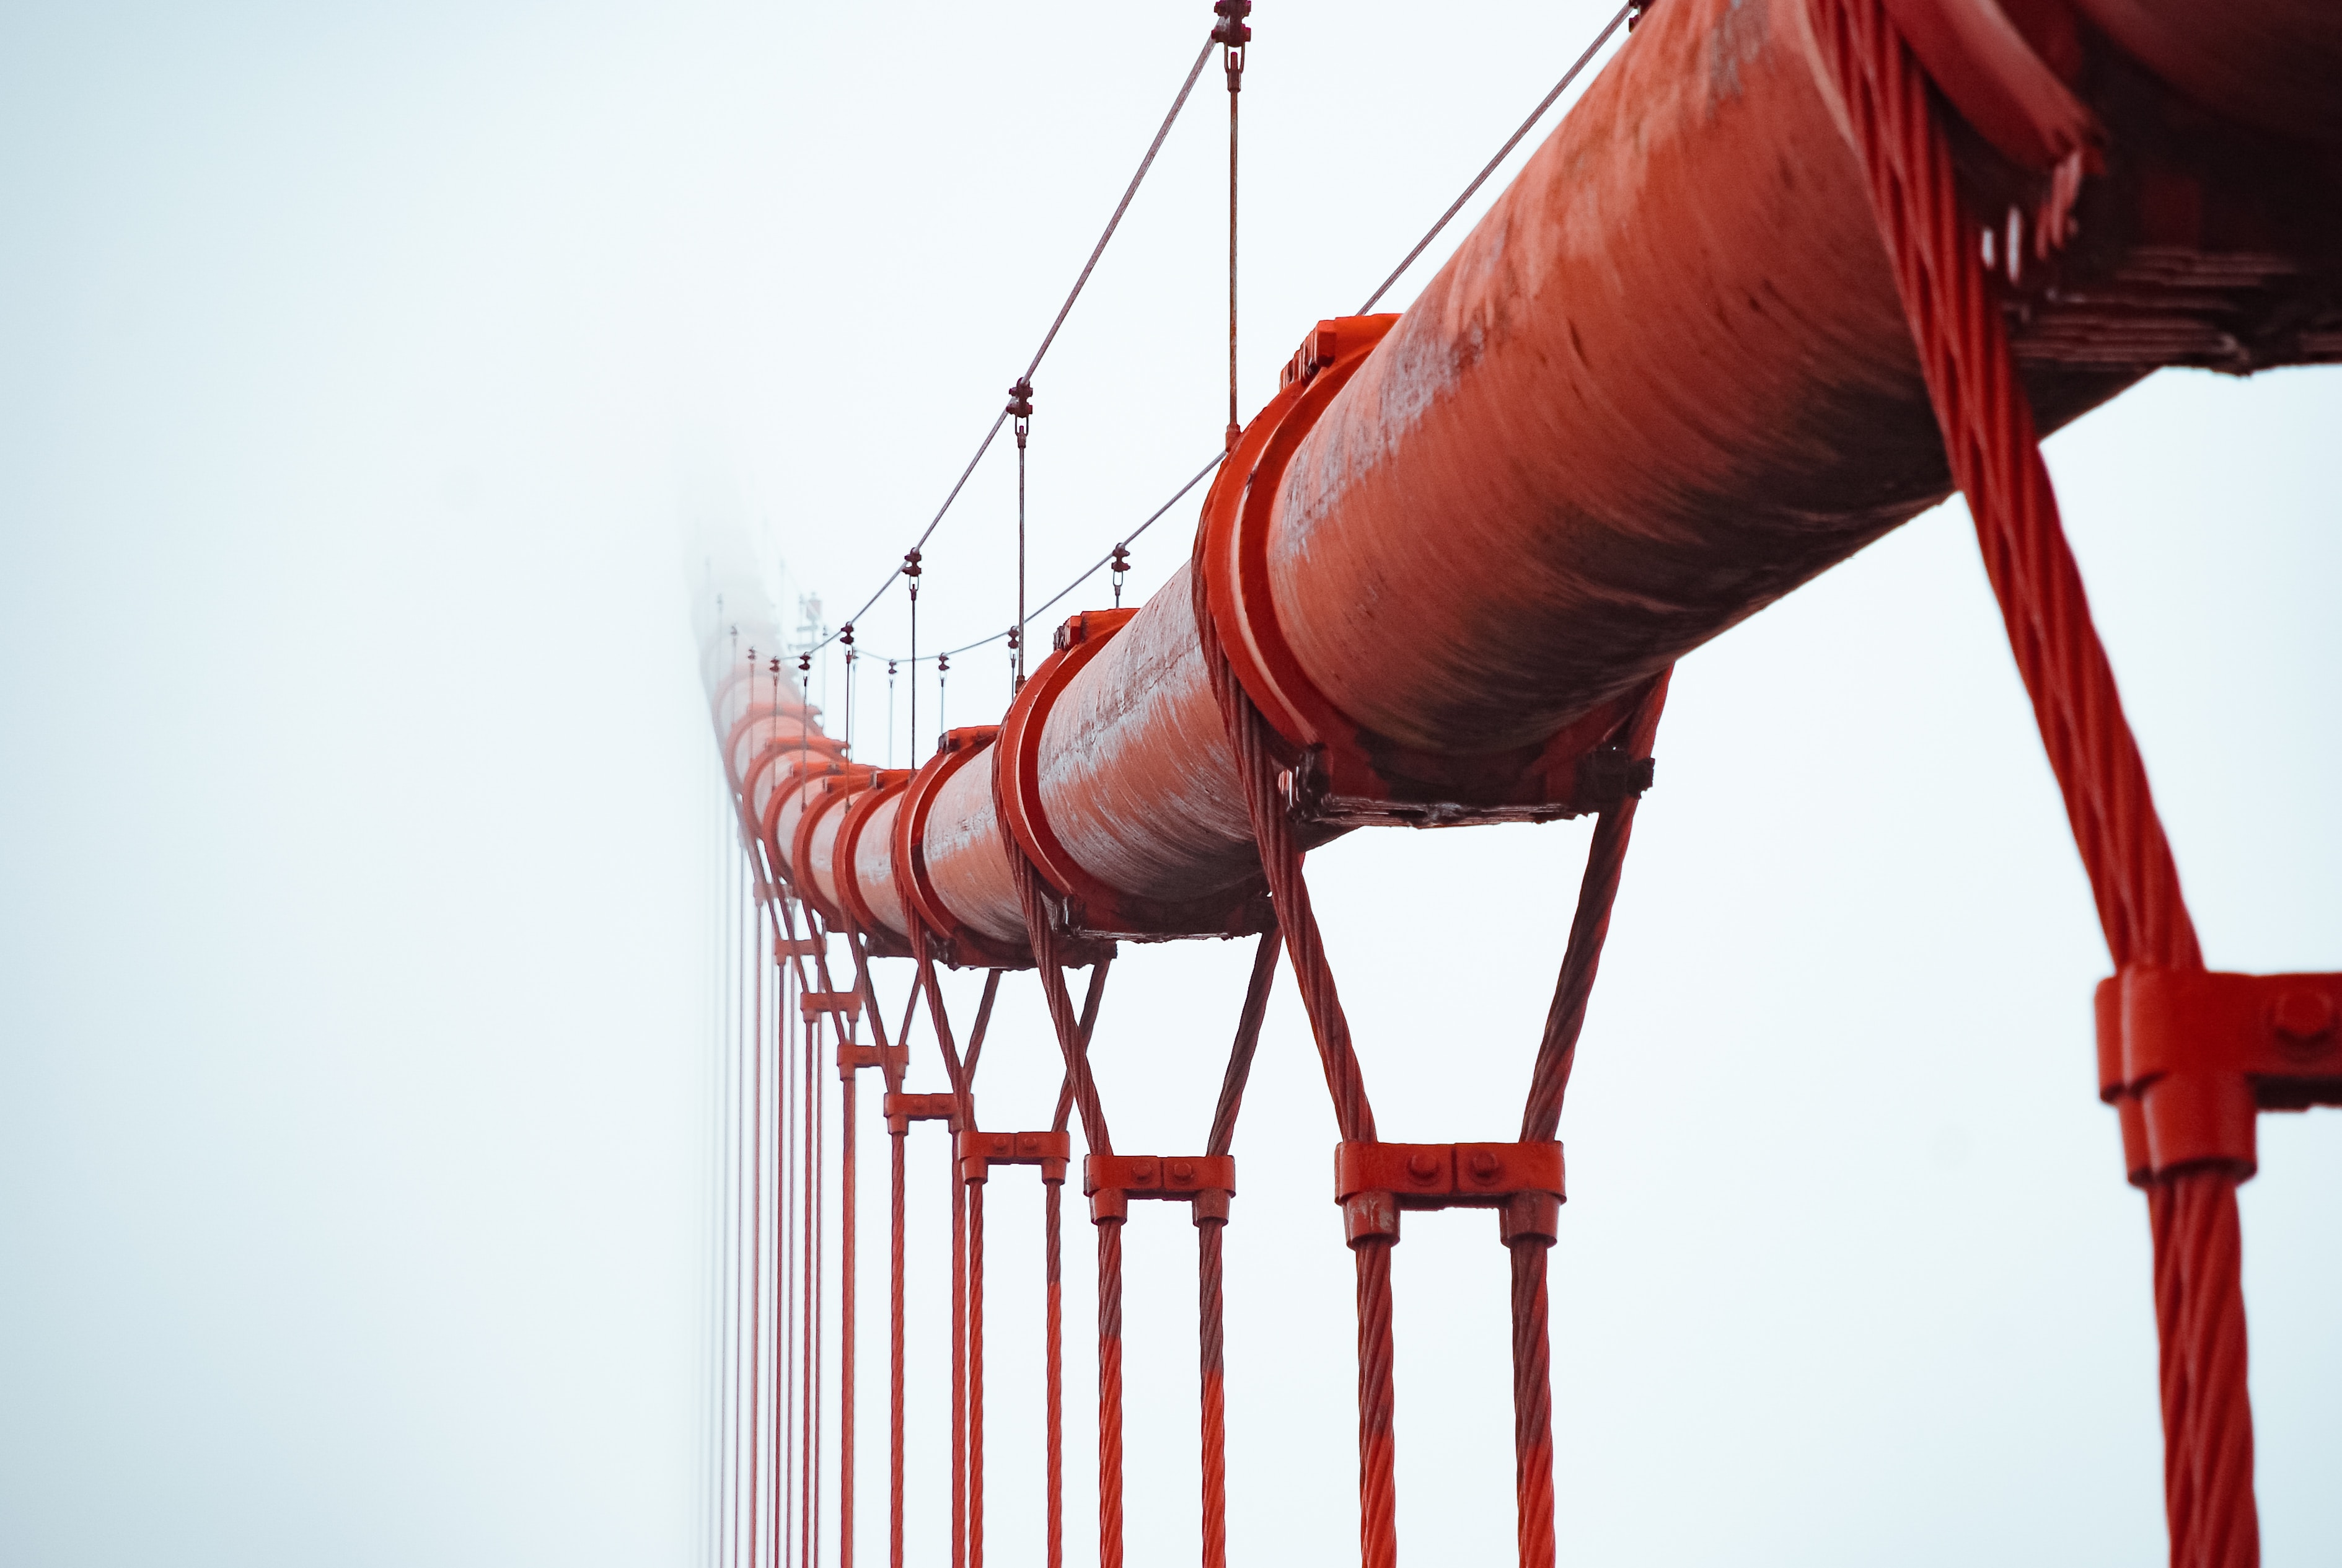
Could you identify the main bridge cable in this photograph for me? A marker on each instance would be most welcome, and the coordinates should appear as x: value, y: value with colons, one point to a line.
x: 1120, y: 207
x: 1625, y: 13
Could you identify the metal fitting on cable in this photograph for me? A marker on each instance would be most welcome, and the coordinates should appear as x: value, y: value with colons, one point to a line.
x: 805, y: 663
x: 1121, y: 569
x: 1230, y: 32
x: 1374, y: 1182
x: 1020, y: 408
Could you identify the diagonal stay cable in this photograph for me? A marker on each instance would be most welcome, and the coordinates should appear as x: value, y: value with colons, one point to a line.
x: 1502, y: 153
x: 1120, y: 207
x: 1201, y: 475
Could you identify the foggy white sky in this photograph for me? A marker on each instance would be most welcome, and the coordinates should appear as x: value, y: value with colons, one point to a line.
x: 359, y: 895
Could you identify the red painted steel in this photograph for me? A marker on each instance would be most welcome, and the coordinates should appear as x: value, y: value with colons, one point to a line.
x: 2190, y: 1057
x: 1444, y: 574
x: 859, y: 864
x: 1667, y: 380
x: 814, y: 841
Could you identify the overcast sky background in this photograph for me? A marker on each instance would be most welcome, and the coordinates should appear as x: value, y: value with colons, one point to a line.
x: 361, y: 887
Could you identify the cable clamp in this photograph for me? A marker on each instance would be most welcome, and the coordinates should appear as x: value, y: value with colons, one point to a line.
x: 1230, y: 32
x: 902, y: 1110
x: 889, y: 1059
x: 1375, y: 1181
x: 847, y: 1004
x: 1609, y: 775
x: 977, y: 1153
x: 2187, y: 1058
x: 1204, y: 1181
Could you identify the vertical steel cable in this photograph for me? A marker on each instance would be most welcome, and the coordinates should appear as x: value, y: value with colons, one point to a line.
x: 1233, y: 35
x: 2228, y: 1518
x: 1081, y: 1091
x: 1052, y: 1375
x: 1053, y: 1311
x: 1211, y: 1341
x: 846, y: 1306
x: 1020, y: 408
x: 778, y: 1507
x: 736, y: 1243
x: 1540, y: 1120
x: 958, y: 1369
x: 894, y: 1132
x: 820, y: 1276
x: 1532, y: 1403
x: 1210, y: 1323
x: 756, y: 1227
x: 1995, y: 456
x: 2171, y: 1329
x: 974, y: 1191
x: 1109, y: 1317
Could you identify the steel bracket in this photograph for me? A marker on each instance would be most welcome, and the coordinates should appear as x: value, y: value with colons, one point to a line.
x: 2189, y: 1058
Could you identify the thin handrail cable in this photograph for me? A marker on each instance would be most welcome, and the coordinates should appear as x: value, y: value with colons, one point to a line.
x: 1064, y: 310
x: 1200, y: 475
x: 1502, y: 153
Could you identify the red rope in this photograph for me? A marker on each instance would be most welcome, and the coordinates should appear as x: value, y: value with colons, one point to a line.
x: 1054, y: 1305
x: 959, y: 1369
x: 1109, y: 1318
x: 1377, y: 1408
x: 1212, y: 1344
x: 1210, y: 1307
x: 1054, y: 1368
x: 846, y: 1306
x: 781, y: 1497
x: 2227, y: 1519
x: 1532, y: 1406
x: 1995, y: 456
x: 755, y: 1231
x: 895, y: 1359
x: 742, y: 1163
x: 1280, y: 857
x: 816, y: 1261
x: 1073, y: 1046
x: 975, y: 1373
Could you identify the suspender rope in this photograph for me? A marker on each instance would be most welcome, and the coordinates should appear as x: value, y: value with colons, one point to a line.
x: 1992, y: 445
x: 1231, y: 34
x: 787, y: 1453
x: 847, y: 1295
x: 756, y: 1228
x: 1528, y: 1231
x: 1083, y: 1095
x: 1053, y: 1354
x: 1209, y: 1332
x: 741, y: 1164
x: 1371, y: 1233
x: 1020, y: 409
x: 896, y: 1132
x: 967, y: 1438
x: 849, y: 1209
